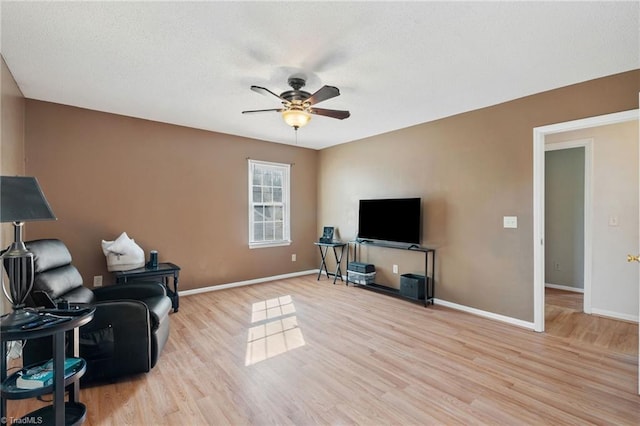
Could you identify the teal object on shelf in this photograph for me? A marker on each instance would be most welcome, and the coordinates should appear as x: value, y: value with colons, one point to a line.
x: 42, y: 375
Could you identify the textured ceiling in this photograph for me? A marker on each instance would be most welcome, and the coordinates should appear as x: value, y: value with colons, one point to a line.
x: 397, y: 64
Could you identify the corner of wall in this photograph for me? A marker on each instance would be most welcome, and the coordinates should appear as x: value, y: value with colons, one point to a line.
x: 12, y: 152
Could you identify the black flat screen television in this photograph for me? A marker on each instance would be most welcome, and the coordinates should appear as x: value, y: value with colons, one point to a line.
x: 392, y: 219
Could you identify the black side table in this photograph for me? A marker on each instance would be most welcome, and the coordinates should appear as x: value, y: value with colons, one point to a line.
x: 164, y: 271
x: 323, y: 253
x: 60, y: 413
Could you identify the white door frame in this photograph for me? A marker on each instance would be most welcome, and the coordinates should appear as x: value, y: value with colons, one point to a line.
x: 539, y: 134
x: 587, y: 232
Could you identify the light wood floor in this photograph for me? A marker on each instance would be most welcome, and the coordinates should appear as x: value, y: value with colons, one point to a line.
x: 303, y: 352
x: 564, y: 318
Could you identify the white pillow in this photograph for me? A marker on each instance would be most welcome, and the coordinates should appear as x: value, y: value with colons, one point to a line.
x: 122, y: 245
x: 123, y: 254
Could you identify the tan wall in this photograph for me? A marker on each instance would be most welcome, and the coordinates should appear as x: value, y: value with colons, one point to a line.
x: 470, y: 170
x: 12, y: 144
x: 177, y: 190
x: 12, y: 105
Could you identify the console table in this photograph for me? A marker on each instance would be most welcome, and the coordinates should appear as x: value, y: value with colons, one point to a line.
x: 164, y: 270
x: 429, y: 269
x: 323, y: 254
x: 60, y: 413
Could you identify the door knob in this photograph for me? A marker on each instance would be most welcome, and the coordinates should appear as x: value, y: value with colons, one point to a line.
x: 632, y: 258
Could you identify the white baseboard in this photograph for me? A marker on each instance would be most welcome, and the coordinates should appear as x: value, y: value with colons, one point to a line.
x: 486, y: 314
x: 565, y: 288
x: 614, y: 315
x: 247, y: 282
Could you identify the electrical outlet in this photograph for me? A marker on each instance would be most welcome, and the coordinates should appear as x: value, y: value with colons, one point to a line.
x: 97, y: 281
x: 556, y: 266
x: 395, y: 269
x: 293, y: 257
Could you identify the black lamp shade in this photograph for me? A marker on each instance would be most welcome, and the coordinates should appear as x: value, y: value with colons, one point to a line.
x: 22, y: 200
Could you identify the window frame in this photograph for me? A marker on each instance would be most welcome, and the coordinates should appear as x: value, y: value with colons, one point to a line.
x: 285, y: 169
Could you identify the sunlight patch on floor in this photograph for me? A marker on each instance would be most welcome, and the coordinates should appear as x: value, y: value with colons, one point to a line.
x: 277, y: 333
x: 272, y: 308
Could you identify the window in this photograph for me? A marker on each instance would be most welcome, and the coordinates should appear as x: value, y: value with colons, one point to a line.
x: 268, y: 204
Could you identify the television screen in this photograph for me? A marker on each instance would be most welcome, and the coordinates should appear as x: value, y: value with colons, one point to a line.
x: 396, y: 220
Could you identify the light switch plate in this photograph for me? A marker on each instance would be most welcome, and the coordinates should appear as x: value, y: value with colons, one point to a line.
x: 510, y: 221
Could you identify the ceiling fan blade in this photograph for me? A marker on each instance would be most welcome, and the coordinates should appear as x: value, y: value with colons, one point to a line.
x: 333, y: 113
x: 264, y: 91
x: 324, y: 93
x: 263, y: 110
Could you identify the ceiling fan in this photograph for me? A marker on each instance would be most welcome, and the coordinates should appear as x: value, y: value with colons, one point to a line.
x: 298, y: 105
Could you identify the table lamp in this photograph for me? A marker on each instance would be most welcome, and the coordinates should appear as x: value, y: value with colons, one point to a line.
x: 21, y: 200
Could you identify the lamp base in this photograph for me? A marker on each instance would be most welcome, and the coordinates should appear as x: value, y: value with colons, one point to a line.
x: 18, y: 318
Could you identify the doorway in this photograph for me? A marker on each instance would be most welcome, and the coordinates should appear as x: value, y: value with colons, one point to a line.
x: 568, y: 210
x: 539, y: 136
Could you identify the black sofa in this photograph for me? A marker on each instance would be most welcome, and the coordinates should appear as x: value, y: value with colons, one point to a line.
x: 131, y: 322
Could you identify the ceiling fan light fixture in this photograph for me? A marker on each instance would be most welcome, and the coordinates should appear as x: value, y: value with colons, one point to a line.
x: 296, y: 118
x: 298, y: 105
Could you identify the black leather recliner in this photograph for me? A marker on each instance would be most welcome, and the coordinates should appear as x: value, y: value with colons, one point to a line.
x: 131, y: 322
